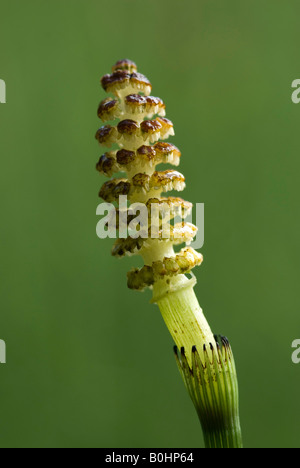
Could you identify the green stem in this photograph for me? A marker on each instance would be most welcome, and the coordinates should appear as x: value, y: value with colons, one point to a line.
x: 206, y: 365
x: 184, y: 317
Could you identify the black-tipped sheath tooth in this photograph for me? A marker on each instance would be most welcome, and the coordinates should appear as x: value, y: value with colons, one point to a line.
x: 225, y: 341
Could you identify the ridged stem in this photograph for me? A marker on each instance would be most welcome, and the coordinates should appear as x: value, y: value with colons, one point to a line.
x: 207, y: 367
x: 184, y: 317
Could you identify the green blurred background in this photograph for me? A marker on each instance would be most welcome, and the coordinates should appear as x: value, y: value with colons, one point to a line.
x: 89, y: 363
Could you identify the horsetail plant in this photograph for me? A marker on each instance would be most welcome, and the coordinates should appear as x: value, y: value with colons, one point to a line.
x: 205, y: 360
